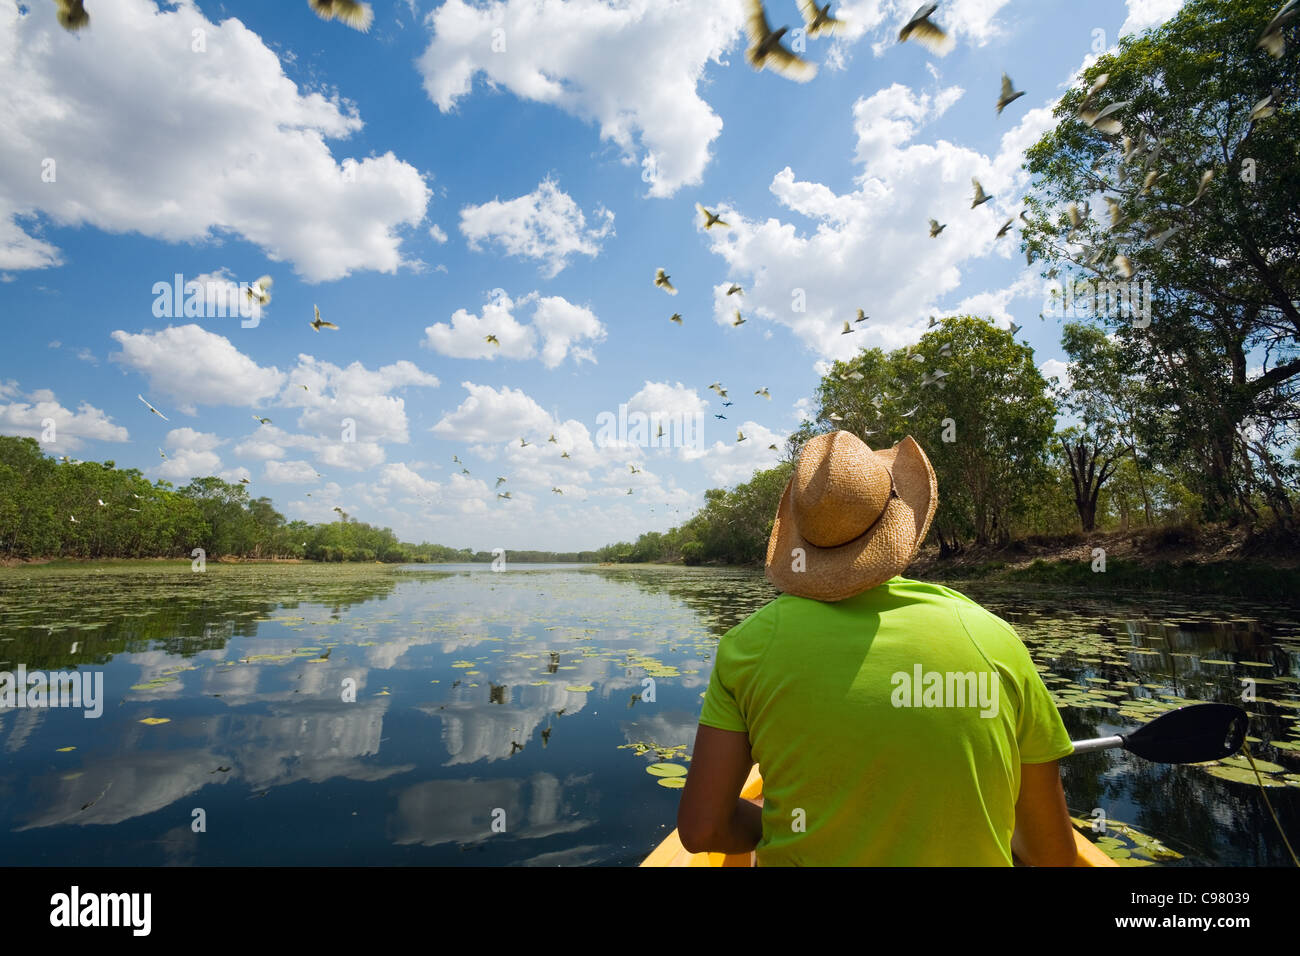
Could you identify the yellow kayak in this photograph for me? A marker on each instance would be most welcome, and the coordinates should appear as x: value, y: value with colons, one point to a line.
x: 671, y: 852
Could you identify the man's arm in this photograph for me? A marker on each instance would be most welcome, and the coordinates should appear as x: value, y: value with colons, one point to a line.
x: 711, y: 816
x: 1044, y: 835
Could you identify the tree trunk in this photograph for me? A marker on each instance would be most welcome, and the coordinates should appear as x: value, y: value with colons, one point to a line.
x: 1087, y: 480
x: 1279, y: 501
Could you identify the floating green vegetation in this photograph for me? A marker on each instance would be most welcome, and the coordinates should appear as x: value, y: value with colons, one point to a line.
x: 1263, y: 766
x: 1238, y: 775
x: 155, y: 683
x: 1127, y: 845
x: 642, y: 747
x: 666, y: 770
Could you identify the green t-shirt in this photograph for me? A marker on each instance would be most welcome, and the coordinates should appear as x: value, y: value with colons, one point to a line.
x: 865, y: 765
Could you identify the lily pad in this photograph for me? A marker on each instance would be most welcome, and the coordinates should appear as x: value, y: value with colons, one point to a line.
x: 1237, y: 775
x: 672, y: 783
x: 1241, y: 762
x: 580, y: 688
x: 154, y: 721
x: 666, y: 770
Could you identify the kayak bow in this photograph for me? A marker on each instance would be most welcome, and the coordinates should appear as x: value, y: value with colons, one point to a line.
x: 671, y: 852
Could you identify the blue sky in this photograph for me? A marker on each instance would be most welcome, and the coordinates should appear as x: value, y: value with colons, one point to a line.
x: 425, y: 189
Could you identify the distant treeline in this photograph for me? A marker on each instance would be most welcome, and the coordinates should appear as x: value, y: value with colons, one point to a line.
x: 87, y: 509
x: 1005, y: 472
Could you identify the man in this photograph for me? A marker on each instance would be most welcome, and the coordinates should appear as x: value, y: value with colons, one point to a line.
x: 895, y: 723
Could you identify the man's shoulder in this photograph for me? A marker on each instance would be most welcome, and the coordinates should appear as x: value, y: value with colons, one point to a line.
x: 971, y: 613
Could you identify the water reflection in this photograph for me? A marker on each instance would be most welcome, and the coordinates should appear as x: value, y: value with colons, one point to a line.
x: 366, y: 715
x: 473, y: 811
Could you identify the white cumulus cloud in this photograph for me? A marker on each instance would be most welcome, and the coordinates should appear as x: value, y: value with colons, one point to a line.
x: 197, y: 367
x: 633, y: 67
x: 28, y: 417
x: 561, y: 327
x: 148, y: 136
x: 546, y: 225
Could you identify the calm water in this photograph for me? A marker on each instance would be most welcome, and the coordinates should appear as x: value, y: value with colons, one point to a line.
x: 495, y: 721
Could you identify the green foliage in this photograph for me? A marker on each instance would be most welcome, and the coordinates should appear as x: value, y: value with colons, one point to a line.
x: 1225, y: 283
x: 731, y: 528
x: 40, y: 497
x: 985, y: 426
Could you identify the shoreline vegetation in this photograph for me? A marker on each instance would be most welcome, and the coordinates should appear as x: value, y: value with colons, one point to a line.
x: 136, y: 517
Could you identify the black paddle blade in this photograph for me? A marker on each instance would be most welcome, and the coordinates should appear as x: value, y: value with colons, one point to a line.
x: 1190, y: 734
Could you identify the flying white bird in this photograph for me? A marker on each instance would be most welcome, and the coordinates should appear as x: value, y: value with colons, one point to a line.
x: 711, y: 219
x: 350, y: 13
x: 1203, y: 185
x: 1008, y: 95
x: 152, y: 409
x: 765, y: 49
x: 1101, y: 120
x: 818, y: 20
x: 72, y: 15
x: 920, y: 28
x: 1272, y: 38
x: 260, y: 291
x: 1264, y: 108
x: 318, y: 323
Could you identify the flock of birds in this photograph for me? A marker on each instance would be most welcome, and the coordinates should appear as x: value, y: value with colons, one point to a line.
x: 766, y: 50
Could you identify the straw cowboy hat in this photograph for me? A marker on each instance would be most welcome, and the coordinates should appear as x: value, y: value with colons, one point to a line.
x: 858, y: 515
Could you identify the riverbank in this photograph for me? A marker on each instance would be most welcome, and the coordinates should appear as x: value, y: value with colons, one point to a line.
x: 1181, y: 559
x: 141, y: 562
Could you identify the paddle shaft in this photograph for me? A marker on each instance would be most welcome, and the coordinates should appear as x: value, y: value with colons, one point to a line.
x: 1097, y: 743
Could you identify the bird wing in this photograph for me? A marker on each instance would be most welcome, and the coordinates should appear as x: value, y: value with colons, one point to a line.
x: 920, y: 28
x: 1106, y: 111
x: 1007, y: 87
x: 791, y: 66
x: 756, y: 28
x: 1282, y: 17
